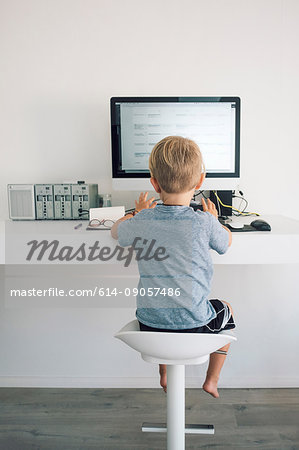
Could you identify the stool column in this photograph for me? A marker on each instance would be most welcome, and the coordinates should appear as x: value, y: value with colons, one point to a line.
x: 175, y: 407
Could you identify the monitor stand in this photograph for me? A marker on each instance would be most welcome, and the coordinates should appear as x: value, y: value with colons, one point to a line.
x: 226, y: 197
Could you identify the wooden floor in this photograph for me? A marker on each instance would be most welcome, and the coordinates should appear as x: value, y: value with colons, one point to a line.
x: 69, y: 419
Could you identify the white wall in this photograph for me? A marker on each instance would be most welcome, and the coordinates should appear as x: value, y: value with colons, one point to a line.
x: 71, y: 344
x: 63, y: 59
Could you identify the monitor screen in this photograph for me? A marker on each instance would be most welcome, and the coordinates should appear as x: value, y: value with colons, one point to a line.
x: 137, y: 124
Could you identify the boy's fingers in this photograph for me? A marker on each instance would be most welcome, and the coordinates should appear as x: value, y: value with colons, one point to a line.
x: 145, y: 196
x: 211, y: 204
x: 153, y: 205
x: 204, y: 205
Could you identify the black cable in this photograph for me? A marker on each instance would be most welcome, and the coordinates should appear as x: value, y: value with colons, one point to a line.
x: 129, y: 210
x: 199, y: 193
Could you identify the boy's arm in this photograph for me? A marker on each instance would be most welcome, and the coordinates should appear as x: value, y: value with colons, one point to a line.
x: 115, y: 225
x: 211, y: 208
x: 142, y: 203
x: 230, y: 236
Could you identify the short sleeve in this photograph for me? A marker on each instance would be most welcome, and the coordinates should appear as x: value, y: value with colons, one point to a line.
x: 127, y: 232
x: 219, y: 237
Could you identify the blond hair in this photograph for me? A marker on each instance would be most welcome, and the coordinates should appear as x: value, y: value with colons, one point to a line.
x: 176, y: 163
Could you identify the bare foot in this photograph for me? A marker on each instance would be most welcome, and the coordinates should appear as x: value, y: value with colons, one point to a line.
x: 210, y: 387
x: 163, y: 379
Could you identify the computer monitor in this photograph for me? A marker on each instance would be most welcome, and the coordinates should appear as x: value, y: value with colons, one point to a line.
x: 138, y: 123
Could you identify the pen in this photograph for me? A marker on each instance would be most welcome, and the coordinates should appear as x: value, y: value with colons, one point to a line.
x: 78, y: 226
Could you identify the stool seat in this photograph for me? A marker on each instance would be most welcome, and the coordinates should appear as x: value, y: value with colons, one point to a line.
x: 175, y: 350
x: 172, y: 348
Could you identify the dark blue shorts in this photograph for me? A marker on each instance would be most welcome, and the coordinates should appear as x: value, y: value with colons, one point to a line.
x: 223, y: 321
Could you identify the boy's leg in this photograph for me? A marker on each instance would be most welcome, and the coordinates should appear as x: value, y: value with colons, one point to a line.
x: 215, y: 366
x: 163, y: 376
x: 213, y: 373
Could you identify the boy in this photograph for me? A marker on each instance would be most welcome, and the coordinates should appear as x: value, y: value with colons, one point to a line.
x: 182, y: 279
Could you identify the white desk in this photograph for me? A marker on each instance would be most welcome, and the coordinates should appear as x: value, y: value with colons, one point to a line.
x: 275, y: 247
x: 69, y: 342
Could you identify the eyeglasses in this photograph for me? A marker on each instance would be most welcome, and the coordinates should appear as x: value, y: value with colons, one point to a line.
x: 105, y: 224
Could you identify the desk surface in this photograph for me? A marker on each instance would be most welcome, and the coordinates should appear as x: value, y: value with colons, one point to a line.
x: 280, y: 246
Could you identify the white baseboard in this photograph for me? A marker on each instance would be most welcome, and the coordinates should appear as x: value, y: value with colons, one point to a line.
x: 80, y: 382
x: 140, y: 382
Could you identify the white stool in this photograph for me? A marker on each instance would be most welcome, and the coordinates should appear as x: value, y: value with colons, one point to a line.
x: 175, y: 350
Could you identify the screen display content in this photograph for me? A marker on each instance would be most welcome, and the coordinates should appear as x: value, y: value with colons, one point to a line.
x: 137, y: 124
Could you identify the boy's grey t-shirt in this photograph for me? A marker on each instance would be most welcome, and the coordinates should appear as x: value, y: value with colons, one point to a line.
x: 187, y: 237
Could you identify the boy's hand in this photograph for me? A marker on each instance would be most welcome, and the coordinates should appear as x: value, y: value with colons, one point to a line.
x: 143, y: 203
x: 211, y: 208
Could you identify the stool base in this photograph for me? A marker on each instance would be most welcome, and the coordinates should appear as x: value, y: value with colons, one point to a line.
x: 190, y: 428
